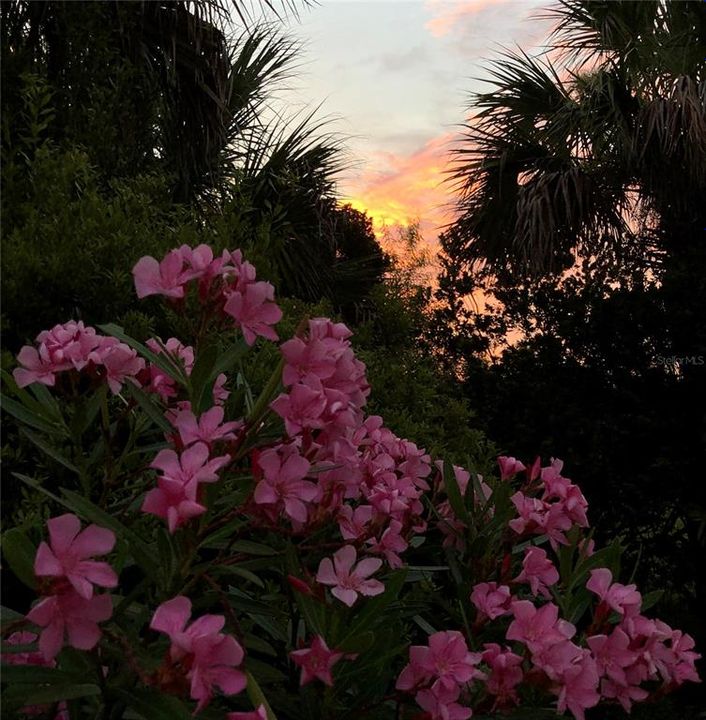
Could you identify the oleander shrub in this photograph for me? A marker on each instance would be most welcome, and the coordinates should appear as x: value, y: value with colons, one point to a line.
x: 227, y: 534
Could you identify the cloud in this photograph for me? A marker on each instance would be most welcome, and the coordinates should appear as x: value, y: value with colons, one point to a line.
x: 448, y: 15
x: 400, y: 189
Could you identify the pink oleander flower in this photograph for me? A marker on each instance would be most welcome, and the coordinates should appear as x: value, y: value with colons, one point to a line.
x: 220, y: 394
x: 626, y: 695
x: 612, y: 654
x: 505, y: 673
x: 283, y: 483
x: 390, y: 544
x: 209, y: 657
x: 33, y: 369
x: 254, y: 311
x: 64, y: 347
x: 302, y: 407
x: 538, y: 571
x: 348, y: 579
x: 208, y: 428
x: 530, y: 511
x: 69, y: 554
x: 192, y: 466
x: 446, y: 660
x: 121, y: 363
x: 490, y: 600
x: 173, y: 501
x: 624, y: 599
x: 313, y: 357
x: 167, y: 277
x: 537, y: 628
x: 259, y: 714
x: 509, y: 466
x: 440, y: 703
x: 354, y: 523
x: 71, y: 615
x: 676, y: 662
x: 200, y: 261
x: 68, y: 346
x: 316, y: 661
x: 554, y: 658
x: 578, y: 688
x: 540, y: 517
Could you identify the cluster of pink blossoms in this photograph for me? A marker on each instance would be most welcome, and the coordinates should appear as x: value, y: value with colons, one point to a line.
x: 611, y: 660
x: 176, y: 498
x: 227, y: 285
x: 335, y: 462
x: 438, y: 673
x: 561, y: 505
x: 69, y: 611
x: 199, y: 653
x: 73, y: 346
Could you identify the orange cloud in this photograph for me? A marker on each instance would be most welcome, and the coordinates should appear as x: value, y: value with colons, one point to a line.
x: 407, y: 189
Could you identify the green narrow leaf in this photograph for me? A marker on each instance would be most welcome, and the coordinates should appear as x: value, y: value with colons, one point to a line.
x: 201, y: 378
x: 19, y: 552
x: 650, y: 599
x: 8, y: 616
x: 47, y: 401
x: 50, y: 451
x: 26, y: 416
x: 266, y: 396
x: 248, y: 547
x: 36, y: 675
x: 150, y: 408
x: 240, y: 572
x: 152, y: 705
x: 20, y: 695
x: 454, y: 494
x: 43, y: 404
x: 228, y: 359
x: 257, y: 697
x: 375, y: 606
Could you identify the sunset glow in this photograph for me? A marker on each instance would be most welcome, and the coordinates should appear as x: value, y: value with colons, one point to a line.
x: 412, y: 188
x: 399, y: 98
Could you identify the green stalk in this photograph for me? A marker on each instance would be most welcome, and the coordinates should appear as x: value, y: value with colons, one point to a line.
x: 257, y: 697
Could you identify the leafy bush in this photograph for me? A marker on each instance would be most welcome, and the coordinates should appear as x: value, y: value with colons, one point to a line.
x: 226, y: 522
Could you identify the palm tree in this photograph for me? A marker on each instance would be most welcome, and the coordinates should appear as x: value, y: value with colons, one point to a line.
x: 163, y: 81
x: 597, y: 148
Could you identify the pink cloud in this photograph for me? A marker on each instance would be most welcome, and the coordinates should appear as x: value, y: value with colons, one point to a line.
x: 447, y: 15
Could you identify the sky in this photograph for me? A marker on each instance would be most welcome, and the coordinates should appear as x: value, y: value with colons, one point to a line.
x: 394, y: 77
